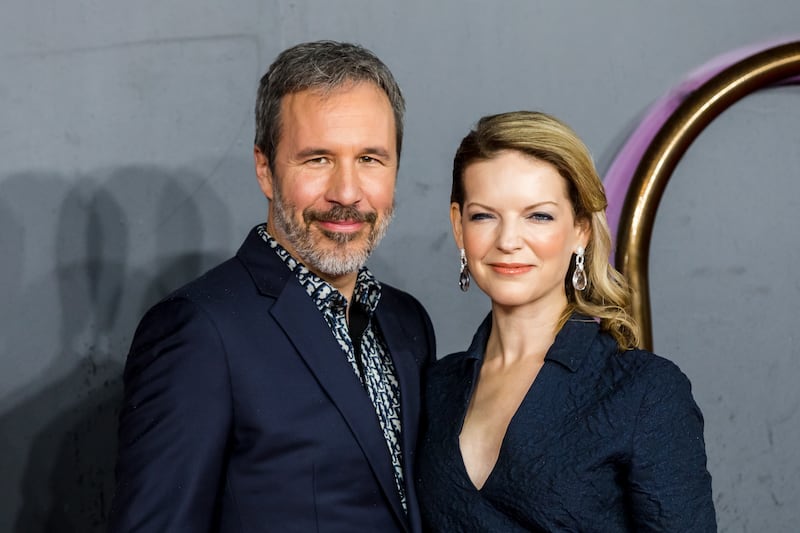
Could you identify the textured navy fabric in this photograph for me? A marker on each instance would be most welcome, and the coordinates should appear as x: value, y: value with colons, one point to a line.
x: 603, y: 441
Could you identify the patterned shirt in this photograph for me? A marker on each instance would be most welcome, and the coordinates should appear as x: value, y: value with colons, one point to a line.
x: 370, y: 360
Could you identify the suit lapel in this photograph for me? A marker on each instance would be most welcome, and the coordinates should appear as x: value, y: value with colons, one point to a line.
x: 296, y: 313
x: 408, y: 375
x: 305, y: 326
x: 408, y: 372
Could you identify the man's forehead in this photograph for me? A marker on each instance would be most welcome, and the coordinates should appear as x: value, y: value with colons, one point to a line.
x: 351, y: 111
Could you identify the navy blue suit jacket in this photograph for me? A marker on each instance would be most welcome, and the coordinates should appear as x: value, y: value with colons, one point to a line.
x: 241, y: 413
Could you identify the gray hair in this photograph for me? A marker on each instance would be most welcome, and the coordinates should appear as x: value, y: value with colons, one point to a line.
x: 323, y: 66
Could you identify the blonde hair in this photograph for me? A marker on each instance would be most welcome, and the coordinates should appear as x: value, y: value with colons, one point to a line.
x: 607, y: 295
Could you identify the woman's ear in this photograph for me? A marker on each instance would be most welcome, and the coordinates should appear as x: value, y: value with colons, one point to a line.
x: 263, y: 172
x: 455, y: 222
x: 583, y: 231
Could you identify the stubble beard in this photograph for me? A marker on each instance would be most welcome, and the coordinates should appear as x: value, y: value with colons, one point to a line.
x: 313, y: 250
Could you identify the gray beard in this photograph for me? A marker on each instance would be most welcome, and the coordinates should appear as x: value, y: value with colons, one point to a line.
x: 338, y: 261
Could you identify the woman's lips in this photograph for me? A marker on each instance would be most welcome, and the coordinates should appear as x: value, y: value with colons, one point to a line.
x: 511, y: 268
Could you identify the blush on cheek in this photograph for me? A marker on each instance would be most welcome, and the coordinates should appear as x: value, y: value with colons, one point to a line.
x: 549, y: 246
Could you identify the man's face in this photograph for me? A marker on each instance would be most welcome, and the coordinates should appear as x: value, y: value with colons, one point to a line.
x: 332, y: 190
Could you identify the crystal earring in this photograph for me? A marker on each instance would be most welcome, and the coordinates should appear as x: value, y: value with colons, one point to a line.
x: 579, y: 279
x: 463, y: 278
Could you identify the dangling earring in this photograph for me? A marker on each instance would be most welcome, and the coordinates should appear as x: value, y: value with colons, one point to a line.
x: 579, y: 279
x: 463, y: 277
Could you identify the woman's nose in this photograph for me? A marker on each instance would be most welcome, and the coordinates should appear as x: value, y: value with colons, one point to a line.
x: 509, y: 238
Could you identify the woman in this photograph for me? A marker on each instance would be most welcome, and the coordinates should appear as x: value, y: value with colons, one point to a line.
x: 552, y: 420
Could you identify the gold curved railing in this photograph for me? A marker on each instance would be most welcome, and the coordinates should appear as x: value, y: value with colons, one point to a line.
x: 647, y: 186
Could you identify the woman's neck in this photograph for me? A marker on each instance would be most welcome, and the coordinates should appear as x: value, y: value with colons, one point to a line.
x: 519, y: 333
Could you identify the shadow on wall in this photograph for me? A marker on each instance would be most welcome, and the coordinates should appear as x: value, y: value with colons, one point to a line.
x: 118, y: 244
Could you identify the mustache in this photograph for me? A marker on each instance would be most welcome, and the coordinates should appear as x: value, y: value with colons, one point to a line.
x: 339, y: 213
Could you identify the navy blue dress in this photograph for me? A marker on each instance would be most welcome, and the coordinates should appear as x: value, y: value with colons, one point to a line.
x: 603, y: 441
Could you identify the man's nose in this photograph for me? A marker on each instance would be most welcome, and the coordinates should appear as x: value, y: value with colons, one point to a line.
x: 344, y: 186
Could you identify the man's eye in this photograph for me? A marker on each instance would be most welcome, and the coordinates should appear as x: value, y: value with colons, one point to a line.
x: 318, y: 160
x: 368, y: 159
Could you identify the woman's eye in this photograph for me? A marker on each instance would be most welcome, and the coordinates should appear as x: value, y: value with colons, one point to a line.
x: 480, y: 216
x: 542, y: 217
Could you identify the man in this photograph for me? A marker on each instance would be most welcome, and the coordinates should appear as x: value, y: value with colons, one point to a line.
x: 281, y: 390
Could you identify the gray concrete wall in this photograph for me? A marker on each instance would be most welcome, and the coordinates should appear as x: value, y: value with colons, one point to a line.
x: 125, y: 169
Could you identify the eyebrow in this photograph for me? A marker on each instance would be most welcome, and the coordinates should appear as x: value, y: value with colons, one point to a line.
x: 315, y: 152
x: 532, y: 206
x: 379, y: 151
x: 312, y: 152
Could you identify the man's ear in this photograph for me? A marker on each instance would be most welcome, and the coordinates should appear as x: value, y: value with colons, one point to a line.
x: 263, y: 172
x: 455, y: 222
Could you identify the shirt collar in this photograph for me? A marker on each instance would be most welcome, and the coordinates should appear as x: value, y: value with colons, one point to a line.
x: 569, y: 349
x: 367, y: 291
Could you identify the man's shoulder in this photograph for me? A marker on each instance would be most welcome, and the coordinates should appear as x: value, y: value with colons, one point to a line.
x: 403, y: 310
x: 219, y: 281
x: 234, y: 277
x: 400, y: 302
x: 395, y: 295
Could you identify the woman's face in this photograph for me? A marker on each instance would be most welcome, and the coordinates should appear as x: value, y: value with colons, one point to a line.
x: 518, y: 230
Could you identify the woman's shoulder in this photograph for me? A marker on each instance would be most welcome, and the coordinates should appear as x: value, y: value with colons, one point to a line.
x: 445, y: 379
x: 457, y: 361
x: 656, y: 375
x: 449, y: 363
x: 648, y: 363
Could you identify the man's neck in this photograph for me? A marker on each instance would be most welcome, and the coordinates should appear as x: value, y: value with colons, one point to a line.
x: 345, y: 284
